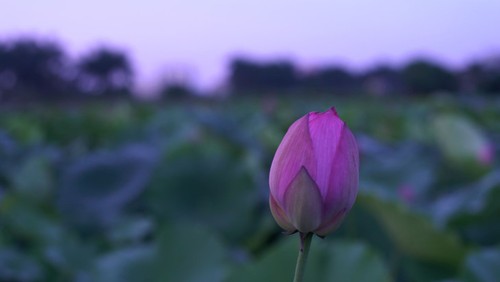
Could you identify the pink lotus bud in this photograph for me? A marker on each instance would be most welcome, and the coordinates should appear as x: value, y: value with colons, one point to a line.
x: 407, y: 193
x: 486, y: 154
x: 314, y: 174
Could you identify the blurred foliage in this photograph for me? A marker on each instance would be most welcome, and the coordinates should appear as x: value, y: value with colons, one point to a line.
x: 176, y: 91
x: 425, y: 77
x: 418, y: 77
x: 105, y: 70
x: 178, y: 192
x: 32, y: 66
x: 39, y: 70
x: 247, y: 75
x: 36, y: 69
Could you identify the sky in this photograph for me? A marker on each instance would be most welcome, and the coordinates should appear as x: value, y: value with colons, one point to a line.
x: 196, y: 39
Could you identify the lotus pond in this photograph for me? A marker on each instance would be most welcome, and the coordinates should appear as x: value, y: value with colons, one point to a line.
x: 178, y: 192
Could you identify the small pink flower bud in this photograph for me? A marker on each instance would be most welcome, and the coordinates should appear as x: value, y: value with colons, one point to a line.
x: 314, y: 174
x: 486, y: 154
x: 406, y: 193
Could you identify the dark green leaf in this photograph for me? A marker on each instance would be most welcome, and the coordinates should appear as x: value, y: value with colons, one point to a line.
x: 414, y: 234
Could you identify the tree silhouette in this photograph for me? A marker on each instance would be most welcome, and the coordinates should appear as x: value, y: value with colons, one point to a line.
x: 382, y: 80
x: 483, y: 76
x: 176, y: 91
x: 105, y: 70
x: 36, y: 69
x: 334, y: 79
x: 425, y: 77
x: 249, y: 76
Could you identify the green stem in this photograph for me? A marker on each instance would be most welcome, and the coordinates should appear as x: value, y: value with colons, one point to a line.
x: 305, y: 243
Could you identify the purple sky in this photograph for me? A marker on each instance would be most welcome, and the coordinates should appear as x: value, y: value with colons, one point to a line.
x: 198, y: 36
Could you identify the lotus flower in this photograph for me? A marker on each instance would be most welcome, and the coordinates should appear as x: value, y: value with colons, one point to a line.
x: 314, y: 174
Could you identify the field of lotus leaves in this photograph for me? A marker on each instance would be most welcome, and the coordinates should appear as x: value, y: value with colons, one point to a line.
x: 178, y: 191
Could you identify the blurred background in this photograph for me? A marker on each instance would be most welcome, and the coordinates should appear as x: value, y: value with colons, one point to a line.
x: 136, y: 137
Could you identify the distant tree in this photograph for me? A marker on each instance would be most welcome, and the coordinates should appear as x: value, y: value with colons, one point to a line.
x: 483, y: 76
x: 246, y: 76
x: 425, y: 77
x: 7, y: 77
x: 34, y: 69
x: 334, y: 79
x: 382, y: 80
x: 106, y: 71
x: 243, y: 75
x: 176, y: 91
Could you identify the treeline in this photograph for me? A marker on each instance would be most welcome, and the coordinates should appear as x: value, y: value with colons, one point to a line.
x: 41, y: 70
x: 418, y: 77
